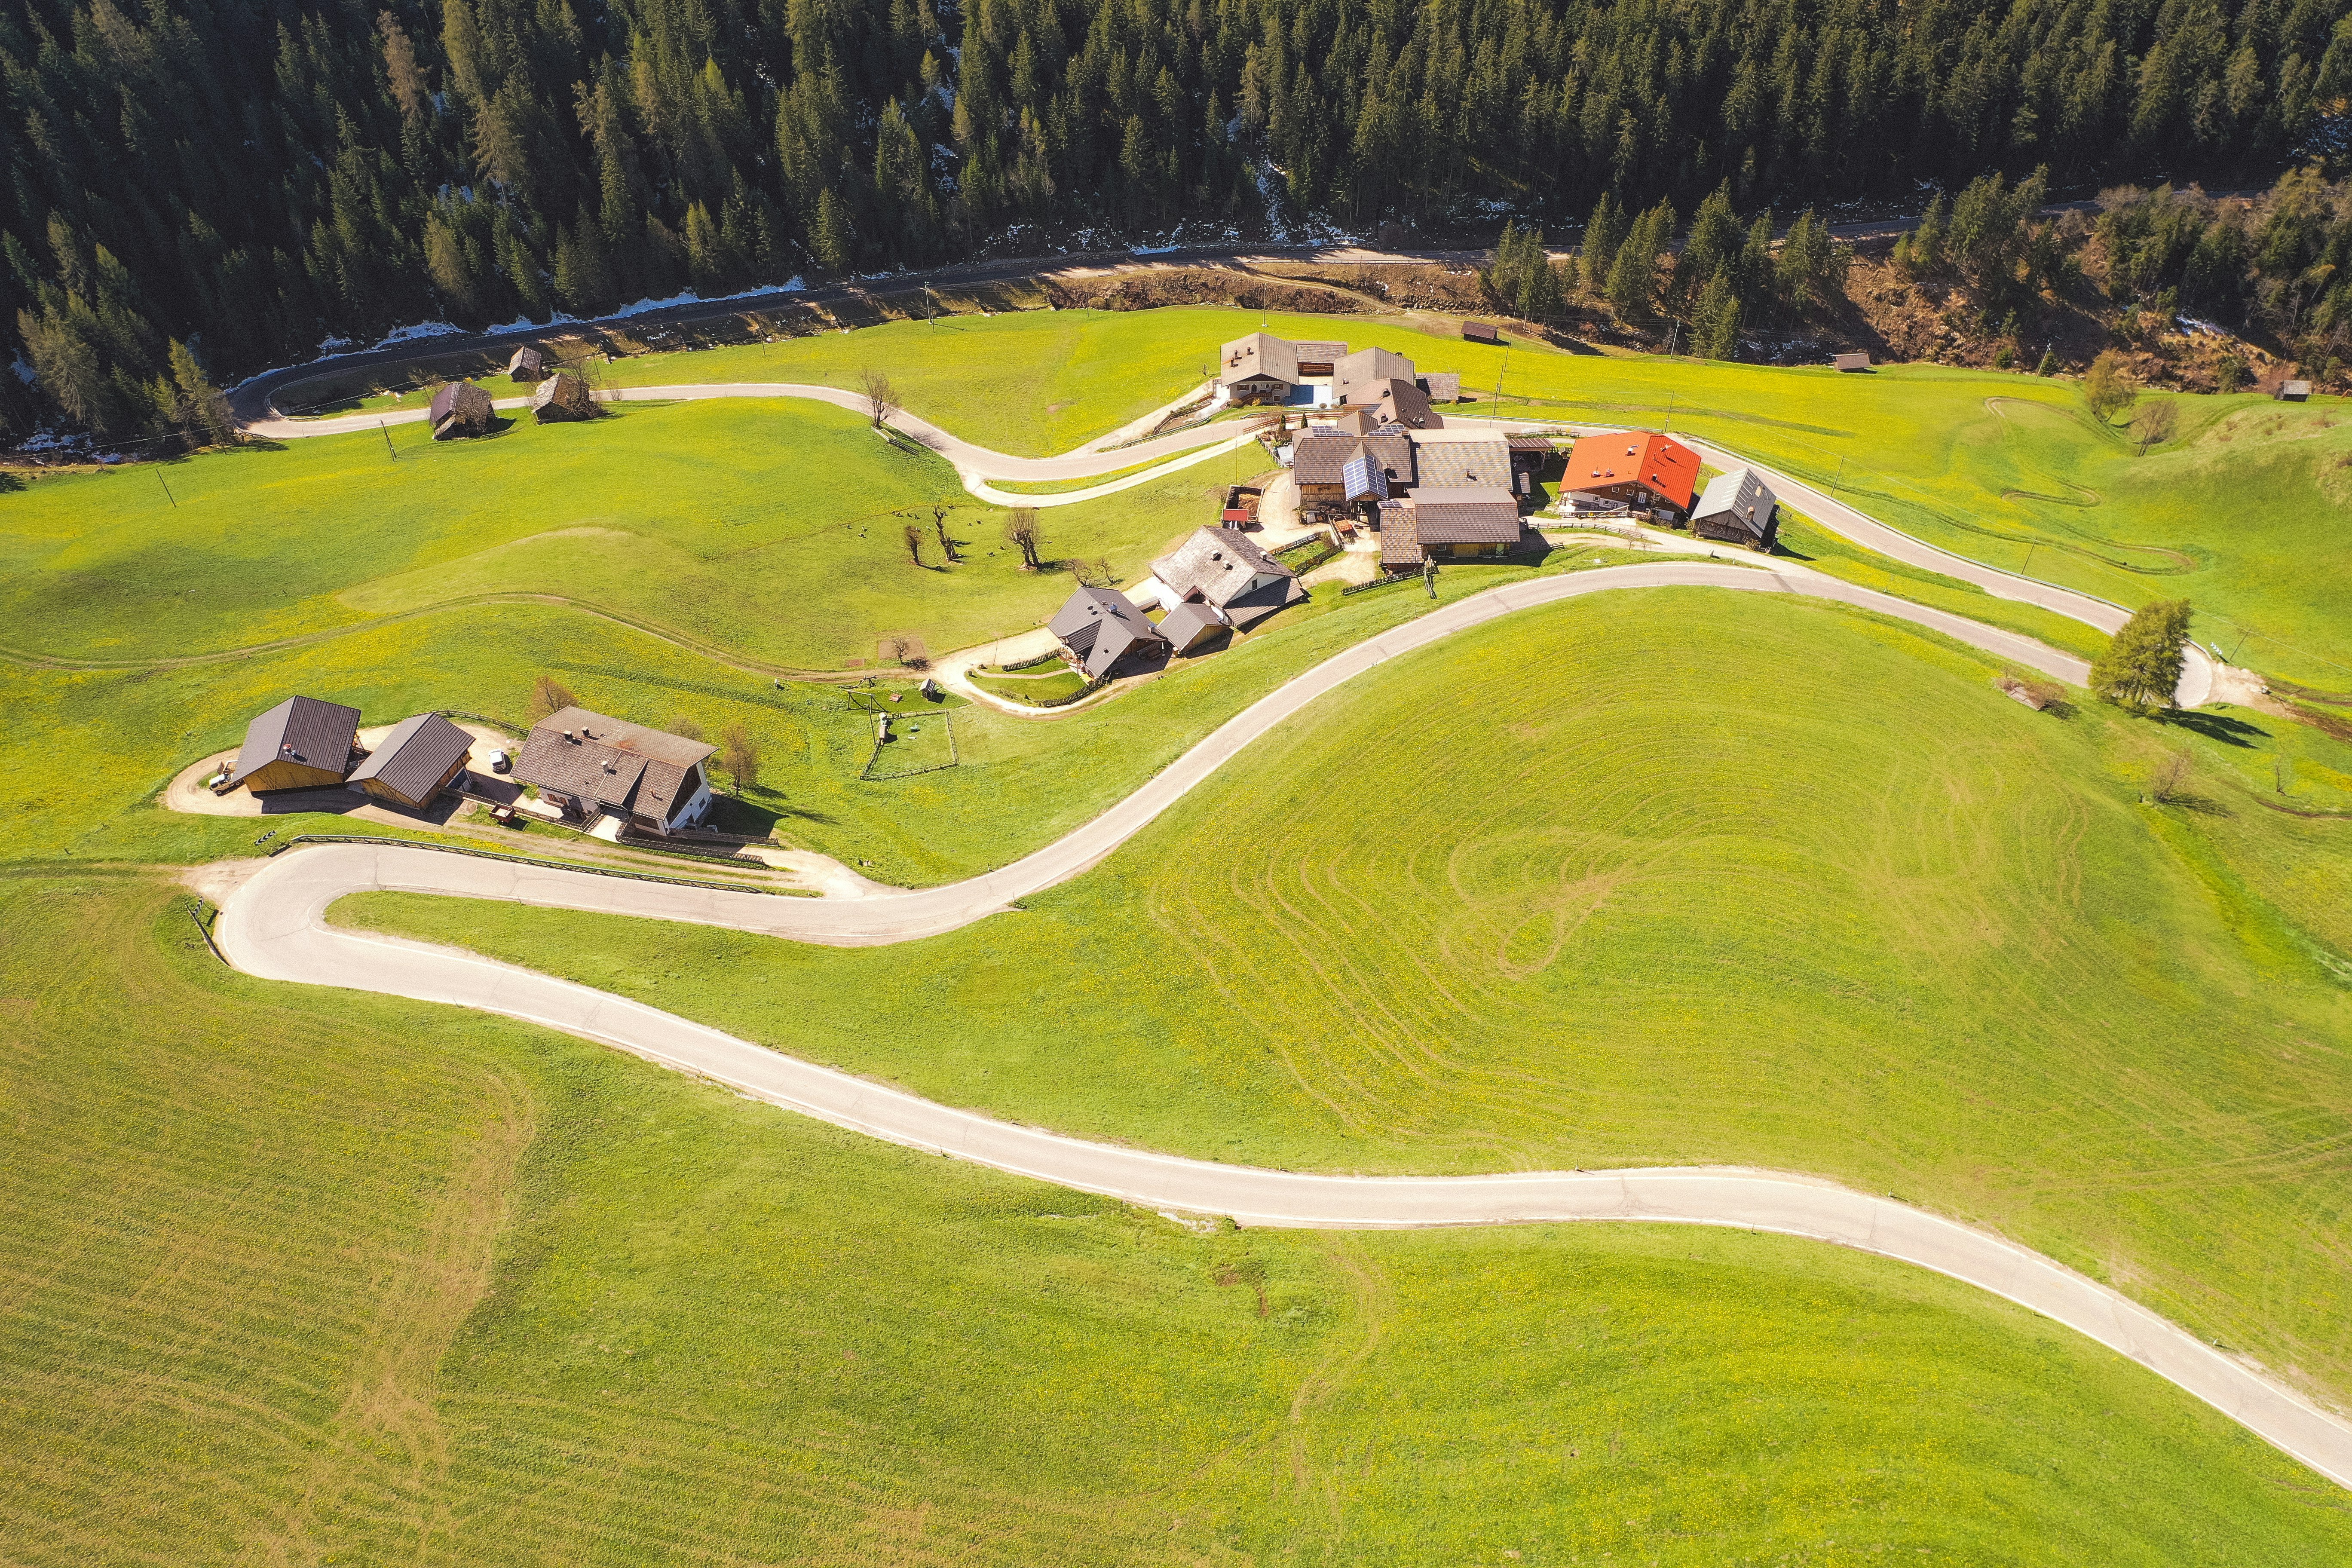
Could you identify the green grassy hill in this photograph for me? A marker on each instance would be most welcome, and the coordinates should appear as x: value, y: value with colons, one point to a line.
x: 772, y: 529
x: 293, y: 1275
x: 1675, y: 876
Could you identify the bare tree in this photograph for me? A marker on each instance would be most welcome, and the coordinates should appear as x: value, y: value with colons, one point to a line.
x: 879, y: 399
x: 2155, y: 426
x: 1021, y: 528
x: 549, y: 695
x: 895, y: 649
x: 740, y: 755
x: 914, y: 538
x: 940, y: 510
x: 1095, y: 573
x: 2171, y: 774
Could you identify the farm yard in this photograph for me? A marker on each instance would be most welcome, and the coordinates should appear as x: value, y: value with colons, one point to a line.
x: 1659, y: 876
x: 529, y: 1297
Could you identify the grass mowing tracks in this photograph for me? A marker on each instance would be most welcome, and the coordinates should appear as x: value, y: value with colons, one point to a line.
x: 1490, y: 908
x: 296, y: 1273
x: 771, y: 529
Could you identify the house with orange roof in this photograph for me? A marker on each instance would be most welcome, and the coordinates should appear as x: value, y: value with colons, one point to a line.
x: 1632, y: 469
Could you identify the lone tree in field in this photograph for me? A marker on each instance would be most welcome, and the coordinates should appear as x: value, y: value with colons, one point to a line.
x: 1021, y: 528
x: 914, y: 538
x: 2153, y: 424
x: 879, y: 396
x: 2142, y: 664
x: 740, y: 755
x: 2107, y: 389
x: 549, y: 695
x: 940, y: 510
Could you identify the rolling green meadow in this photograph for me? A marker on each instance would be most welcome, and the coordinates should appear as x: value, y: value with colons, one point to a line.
x: 302, y: 1276
x: 2236, y: 512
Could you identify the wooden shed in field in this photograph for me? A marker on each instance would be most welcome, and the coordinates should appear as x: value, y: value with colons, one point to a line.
x: 528, y: 364
x: 1480, y: 333
x: 421, y: 757
x: 1850, y: 362
x: 2294, y: 392
x: 460, y: 408
x: 563, y: 396
x: 301, y: 744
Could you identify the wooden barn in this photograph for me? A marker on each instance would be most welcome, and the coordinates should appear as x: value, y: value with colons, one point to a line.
x: 460, y: 408
x: 301, y: 744
x: 1737, y: 509
x: 563, y: 396
x: 528, y: 364
x: 1850, y: 362
x: 423, y: 756
x: 1480, y: 333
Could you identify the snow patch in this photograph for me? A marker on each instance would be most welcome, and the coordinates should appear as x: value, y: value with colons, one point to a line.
x: 335, y: 345
x: 2195, y: 324
x: 24, y: 372
x: 412, y: 333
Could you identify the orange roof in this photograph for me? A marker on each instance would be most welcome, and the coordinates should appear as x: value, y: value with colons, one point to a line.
x: 1619, y: 458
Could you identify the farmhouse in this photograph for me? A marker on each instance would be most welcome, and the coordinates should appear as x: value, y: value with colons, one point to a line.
x: 1353, y: 378
x: 589, y: 766
x: 563, y: 396
x: 1400, y: 402
x: 1320, y: 461
x: 1102, y: 628
x: 1633, y: 469
x: 423, y: 756
x: 528, y: 364
x: 1225, y: 570
x: 1262, y: 368
x: 301, y: 744
x: 1737, y: 509
x: 460, y: 408
x: 1449, y: 524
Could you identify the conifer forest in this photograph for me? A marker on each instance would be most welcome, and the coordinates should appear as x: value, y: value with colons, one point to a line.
x: 196, y: 189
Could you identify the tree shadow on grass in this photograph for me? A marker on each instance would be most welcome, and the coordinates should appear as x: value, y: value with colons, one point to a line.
x: 2217, y: 727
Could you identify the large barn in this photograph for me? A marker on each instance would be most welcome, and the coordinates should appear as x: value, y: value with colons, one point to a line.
x: 301, y: 744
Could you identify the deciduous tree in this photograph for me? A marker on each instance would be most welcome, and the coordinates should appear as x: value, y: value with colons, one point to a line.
x: 739, y: 754
x: 549, y: 695
x: 2107, y: 387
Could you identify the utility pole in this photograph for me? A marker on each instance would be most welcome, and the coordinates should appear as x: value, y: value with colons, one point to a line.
x: 167, y: 489
x: 387, y: 440
x: 1672, y: 399
x: 1498, y: 387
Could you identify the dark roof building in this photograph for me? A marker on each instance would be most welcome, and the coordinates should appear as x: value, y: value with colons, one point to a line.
x: 1480, y: 333
x: 592, y: 765
x: 528, y: 364
x: 1400, y: 402
x: 1102, y: 627
x: 1352, y: 377
x: 421, y: 757
x: 1187, y: 627
x: 1635, y: 467
x: 460, y: 408
x: 1442, y: 386
x: 1737, y: 509
x: 1850, y: 362
x: 1449, y: 524
x: 1319, y: 458
x: 301, y: 744
x: 563, y: 396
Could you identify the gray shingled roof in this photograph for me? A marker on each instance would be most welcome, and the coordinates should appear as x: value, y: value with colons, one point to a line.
x: 1187, y: 625
x: 1352, y: 376
x: 414, y: 758
x: 1101, y: 628
x: 1400, y: 539
x: 1457, y: 465
x: 1740, y: 496
x: 1217, y: 563
x: 621, y: 766
x: 301, y: 730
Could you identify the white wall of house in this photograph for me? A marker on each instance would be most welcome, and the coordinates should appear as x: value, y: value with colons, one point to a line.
x: 698, y: 805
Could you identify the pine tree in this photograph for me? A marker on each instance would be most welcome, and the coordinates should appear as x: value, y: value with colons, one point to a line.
x: 1604, y: 231
x: 831, y: 238
x: 2141, y: 667
x: 1715, y: 323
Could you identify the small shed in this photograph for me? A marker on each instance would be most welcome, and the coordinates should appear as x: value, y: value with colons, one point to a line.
x: 301, y: 744
x: 1480, y: 333
x: 1187, y: 627
x: 423, y: 756
x: 528, y: 364
x: 1850, y: 362
x: 563, y: 396
x: 1442, y: 386
x: 2294, y: 392
x: 460, y: 408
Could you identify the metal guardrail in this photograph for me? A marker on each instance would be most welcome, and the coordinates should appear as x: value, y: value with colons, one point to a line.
x: 525, y: 860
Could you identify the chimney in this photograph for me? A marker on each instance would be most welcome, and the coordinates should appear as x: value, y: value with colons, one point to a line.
x: 568, y: 736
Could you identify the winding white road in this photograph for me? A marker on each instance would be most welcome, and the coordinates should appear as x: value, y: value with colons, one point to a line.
x: 274, y: 926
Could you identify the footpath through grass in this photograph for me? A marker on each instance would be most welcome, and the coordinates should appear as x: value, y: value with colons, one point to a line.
x: 1491, y: 908
x: 290, y: 1273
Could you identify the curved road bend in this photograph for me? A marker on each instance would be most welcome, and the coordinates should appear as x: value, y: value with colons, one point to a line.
x: 274, y: 927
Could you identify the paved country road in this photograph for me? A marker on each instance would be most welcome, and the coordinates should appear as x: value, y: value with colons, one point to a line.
x: 274, y: 926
